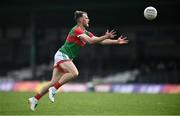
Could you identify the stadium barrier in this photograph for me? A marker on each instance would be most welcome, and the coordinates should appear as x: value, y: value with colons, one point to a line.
x: 35, y: 86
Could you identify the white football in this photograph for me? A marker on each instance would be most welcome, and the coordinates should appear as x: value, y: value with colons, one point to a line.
x: 150, y: 13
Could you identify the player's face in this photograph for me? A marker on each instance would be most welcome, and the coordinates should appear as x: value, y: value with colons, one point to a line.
x: 85, y: 20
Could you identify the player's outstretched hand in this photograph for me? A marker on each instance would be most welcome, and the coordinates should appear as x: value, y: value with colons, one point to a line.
x: 111, y: 34
x: 122, y: 40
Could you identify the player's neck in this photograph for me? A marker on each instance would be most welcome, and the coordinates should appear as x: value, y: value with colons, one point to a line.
x: 81, y: 26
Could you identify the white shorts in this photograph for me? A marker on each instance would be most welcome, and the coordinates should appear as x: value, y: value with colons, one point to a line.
x: 60, y: 58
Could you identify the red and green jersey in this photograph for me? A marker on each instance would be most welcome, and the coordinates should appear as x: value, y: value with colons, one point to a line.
x: 73, y: 43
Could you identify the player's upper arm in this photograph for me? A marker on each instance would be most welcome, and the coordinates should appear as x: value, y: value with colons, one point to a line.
x: 86, y: 38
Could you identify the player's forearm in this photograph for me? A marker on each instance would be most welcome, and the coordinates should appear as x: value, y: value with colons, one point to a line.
x: 108, y: 41
x: 99, y: 39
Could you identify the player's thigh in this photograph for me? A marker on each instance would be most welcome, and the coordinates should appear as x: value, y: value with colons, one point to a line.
x: 56, y: 75
x: 69, y: 67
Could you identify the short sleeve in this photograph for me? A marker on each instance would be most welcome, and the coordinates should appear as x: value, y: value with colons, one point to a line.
x: 78, y: 32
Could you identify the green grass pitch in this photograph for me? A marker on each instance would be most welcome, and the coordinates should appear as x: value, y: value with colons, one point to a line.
x: 15, y: 103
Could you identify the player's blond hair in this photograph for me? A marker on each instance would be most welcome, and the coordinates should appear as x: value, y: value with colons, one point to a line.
x: 78, y: 14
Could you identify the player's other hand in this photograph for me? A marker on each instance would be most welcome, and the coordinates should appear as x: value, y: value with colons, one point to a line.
x: 111, y: 34
x: 122, y: 40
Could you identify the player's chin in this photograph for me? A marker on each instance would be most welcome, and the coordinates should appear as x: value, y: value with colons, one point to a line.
x: 87, y: 25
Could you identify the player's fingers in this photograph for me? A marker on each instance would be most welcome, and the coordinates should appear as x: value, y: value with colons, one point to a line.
x: 112, y: 31
x: 126, y: 41
x: 120, y: 37
x: 114, y: 35
x: 124, y: 38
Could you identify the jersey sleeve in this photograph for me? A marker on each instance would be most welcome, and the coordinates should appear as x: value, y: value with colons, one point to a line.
x: 78, y: 32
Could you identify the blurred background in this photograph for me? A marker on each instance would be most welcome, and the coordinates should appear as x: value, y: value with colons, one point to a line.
x: 31, y: 32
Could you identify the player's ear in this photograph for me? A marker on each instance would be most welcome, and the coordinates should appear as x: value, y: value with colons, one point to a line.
x: 79, y: 19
